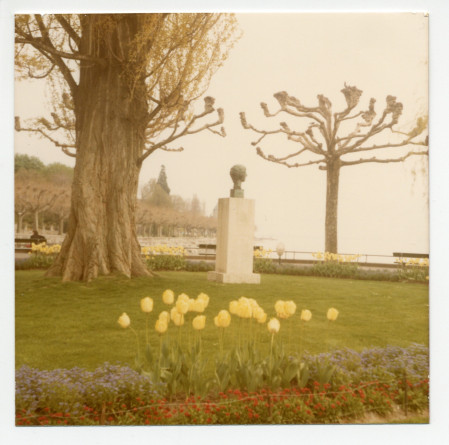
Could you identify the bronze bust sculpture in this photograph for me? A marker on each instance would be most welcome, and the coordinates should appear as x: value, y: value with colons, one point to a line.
x: 238, y: 175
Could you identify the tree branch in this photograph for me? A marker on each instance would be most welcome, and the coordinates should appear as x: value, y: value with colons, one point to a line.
x: 272, y: 158
x: 34, y: 76
x: 374, y: 159
x: 208, y: 109
x: 301, y: 138
x: 401, y: 144
x: 54, y: 59
x: 63, y: 147
x: 70, y: 31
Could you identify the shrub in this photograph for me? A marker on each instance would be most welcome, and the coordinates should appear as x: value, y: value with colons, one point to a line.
x: 40, y: 257
x: 199, y: 266
x: 166, y: 262
x: 333, y: 269
x: 35, y: 261
x: 265, y: 265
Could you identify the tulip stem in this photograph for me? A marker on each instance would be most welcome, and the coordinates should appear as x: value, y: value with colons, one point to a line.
x: 148, y: 336
x: 160, y: 355
x: 137, y: 342
x: 271, y: 355
x: 290, y: 334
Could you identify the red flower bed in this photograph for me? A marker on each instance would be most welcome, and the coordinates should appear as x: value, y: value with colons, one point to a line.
x: 315, y: 404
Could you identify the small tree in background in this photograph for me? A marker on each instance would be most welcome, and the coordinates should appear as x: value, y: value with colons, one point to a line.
x: 339, y: 139
x: 25, y: 162
x: 162, y: 180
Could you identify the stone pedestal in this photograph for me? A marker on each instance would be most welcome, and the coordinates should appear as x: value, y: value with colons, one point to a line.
x: 235, y: 242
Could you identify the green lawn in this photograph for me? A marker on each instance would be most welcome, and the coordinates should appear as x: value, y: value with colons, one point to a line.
x: 75, y: 324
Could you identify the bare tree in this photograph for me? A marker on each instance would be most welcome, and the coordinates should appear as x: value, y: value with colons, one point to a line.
x: 340, y: 139
x: 125, y: 85
x: 34, y: 194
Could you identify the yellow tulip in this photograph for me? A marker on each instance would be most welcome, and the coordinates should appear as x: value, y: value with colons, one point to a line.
x: 182, y: 306
x: 199, y: 322
x: 177, y: 318
x: 274, y: 326
x: 124, y: 321
x: 257, y: 312
x: 253, y: 303
x: 198, y: 306
x: 332, y: 314
x: 262, y: 317
x: 233, y: 307
x: 244, y: 309
x: 224, y: 318
x: 280, y: 309
x: 146, y: 304
x: 173, y: 311
x: 279, y: 306
x: 165, y: 316
x: 290, y: 307
x: 161, y: 326
x: 183, y: 297
x: 306, y: 315
x: 168, y: 297
x: 203, y: 297
x: 191, y: 303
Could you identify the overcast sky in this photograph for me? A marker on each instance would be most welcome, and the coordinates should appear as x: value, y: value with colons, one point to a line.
x: 382, y: 207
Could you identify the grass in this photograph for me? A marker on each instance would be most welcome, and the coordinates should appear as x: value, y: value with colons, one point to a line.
x: 75, y: 324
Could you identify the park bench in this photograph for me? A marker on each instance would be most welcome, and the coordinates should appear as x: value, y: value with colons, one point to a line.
x: 205, y: 248
x: 400, y: 255
x: 24, y: 244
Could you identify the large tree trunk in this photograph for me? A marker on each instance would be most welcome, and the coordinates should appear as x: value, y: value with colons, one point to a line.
x: 110, y: 121
x: 331, y: 224
x: 61, y: 225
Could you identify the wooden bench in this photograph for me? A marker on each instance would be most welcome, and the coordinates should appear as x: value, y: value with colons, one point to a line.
x: 18, y: 242
x: 213, y: 248
x: 408, y: 255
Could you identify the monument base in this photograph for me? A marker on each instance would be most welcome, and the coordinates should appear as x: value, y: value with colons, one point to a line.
x: 245, y: 278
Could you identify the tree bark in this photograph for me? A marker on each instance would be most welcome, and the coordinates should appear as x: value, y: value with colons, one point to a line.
x: 61, y: 226
x: 110, y: 124
x: 331, y: 223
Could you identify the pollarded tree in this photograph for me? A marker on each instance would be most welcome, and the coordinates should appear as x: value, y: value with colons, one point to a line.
x: 34, y: 194
x: 124, y: 86
x: 339, y: 139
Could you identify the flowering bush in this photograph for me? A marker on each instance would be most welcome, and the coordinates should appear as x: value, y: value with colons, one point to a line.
x: 262, y: 253
x: 41, y: 256
x: 163, y: 257
x: 162, y: 249
x: 418, y: 262
x: 335, y: 257
x: 43, y: 249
